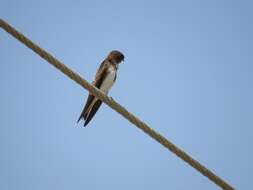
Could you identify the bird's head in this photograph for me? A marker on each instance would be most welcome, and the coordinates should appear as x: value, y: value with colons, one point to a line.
x: 115, y: 57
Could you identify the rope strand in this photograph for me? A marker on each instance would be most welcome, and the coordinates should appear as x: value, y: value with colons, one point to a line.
x: 114, y: 105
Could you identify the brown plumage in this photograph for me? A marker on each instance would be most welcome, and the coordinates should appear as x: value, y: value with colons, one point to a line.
x: 103, y: 81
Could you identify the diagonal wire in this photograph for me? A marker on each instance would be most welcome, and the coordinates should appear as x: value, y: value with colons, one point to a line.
x: 117, y: 107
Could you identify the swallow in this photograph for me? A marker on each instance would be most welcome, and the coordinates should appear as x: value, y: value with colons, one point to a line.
x: 104, y: 80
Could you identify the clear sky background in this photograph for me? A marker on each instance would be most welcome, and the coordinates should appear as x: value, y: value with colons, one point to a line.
x: 187, y: 73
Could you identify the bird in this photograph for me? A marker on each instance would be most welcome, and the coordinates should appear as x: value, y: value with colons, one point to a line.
x: 104, y: 79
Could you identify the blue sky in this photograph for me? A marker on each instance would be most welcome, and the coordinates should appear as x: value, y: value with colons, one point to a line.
x: 187, y: 73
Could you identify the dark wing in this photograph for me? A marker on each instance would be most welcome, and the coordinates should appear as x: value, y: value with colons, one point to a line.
x: 88, y: 111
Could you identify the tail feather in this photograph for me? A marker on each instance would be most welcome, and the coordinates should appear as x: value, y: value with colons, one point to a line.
x: 86, y: 108
x: 82, y: 116
x: 88, y: 116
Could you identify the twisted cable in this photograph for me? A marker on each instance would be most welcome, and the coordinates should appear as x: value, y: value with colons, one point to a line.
x: 117, y: 107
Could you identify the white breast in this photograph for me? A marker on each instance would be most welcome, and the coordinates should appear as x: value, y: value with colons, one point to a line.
x: 109, y: 80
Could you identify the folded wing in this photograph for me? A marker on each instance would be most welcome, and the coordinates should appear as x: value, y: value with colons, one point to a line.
x: 92, y: 103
